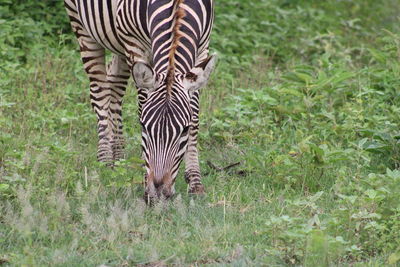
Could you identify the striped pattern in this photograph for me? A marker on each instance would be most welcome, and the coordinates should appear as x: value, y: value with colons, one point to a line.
x: 164, y: 45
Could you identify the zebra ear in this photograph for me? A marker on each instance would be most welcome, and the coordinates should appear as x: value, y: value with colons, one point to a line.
x: 199, y: 75
x: 143, y: 75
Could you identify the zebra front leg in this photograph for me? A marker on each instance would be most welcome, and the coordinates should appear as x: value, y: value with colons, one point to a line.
x: 93, y: 57
x: 192, y: 167
x: 117, y: 78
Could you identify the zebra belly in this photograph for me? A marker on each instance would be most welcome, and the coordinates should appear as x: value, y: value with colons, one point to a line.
x: 98, y: 18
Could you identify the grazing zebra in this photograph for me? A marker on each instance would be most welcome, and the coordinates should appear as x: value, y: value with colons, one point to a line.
x: 163, y: 44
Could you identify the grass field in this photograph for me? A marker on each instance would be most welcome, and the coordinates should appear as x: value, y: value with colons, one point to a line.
x: 306, y: 96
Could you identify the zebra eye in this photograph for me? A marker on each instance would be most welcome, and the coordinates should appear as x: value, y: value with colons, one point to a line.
x: 185, y: 130
x: 191, y: 76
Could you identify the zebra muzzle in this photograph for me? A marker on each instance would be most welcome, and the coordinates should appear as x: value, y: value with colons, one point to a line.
x: 157, y: 189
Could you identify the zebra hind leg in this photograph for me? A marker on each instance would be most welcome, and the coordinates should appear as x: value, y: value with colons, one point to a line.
x: 117, y: 78
x: 192, y: 168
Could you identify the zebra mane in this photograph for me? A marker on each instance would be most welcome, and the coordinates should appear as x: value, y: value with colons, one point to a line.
x: 179, y: 14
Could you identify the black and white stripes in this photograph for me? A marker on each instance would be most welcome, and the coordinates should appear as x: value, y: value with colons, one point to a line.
x: 164, y: 45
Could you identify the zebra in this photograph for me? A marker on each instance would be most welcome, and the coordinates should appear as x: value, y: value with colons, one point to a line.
x: 164, y: 46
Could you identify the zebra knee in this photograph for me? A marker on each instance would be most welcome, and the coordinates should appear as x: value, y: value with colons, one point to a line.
x: 191, y: 176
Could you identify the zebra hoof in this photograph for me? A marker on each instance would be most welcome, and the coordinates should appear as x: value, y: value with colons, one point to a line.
x: 197, y: 190
x: 106, y: 160
x: 108, y: 164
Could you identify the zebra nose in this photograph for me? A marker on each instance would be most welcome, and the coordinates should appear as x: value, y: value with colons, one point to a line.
x: 159, y: 185
x: 158, y: 179
x: 161, y: 177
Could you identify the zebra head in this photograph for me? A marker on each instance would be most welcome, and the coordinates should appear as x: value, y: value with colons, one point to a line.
x: 166, y: 117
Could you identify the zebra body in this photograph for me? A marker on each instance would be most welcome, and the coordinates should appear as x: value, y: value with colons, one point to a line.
x: 163, y: 44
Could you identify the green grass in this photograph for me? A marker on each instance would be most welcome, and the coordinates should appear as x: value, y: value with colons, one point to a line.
x: 306, y: 98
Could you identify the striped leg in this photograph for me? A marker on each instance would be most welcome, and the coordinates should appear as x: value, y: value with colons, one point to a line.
x: 192, y: 168
x: 117, y: 78
x: 93, y: 58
